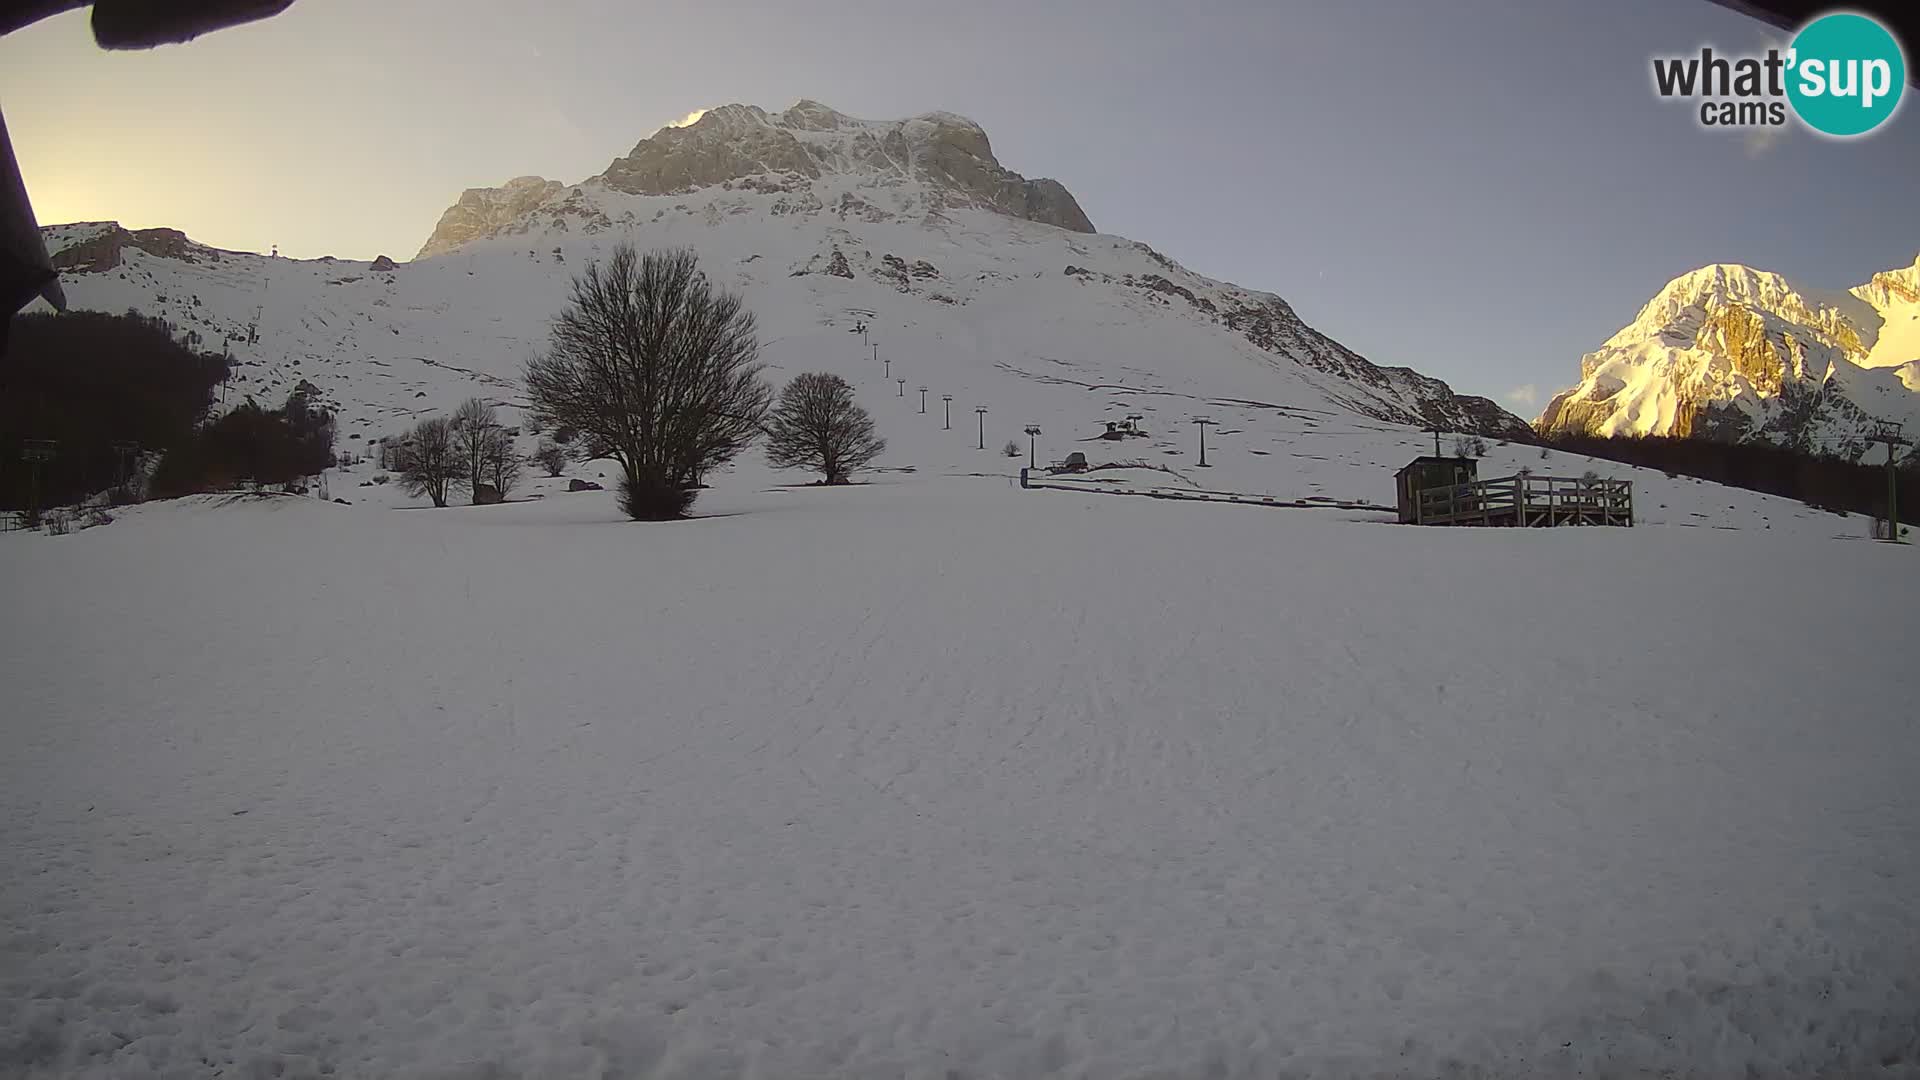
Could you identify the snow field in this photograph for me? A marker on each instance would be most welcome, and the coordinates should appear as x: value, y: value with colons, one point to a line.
x: 940, y: 778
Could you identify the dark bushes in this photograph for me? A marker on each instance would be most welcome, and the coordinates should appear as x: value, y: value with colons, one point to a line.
x: 268, y: 446
x: 1826, y: 482
x: 90, y: 380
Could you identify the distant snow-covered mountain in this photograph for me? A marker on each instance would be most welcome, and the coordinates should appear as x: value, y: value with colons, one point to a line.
x: 972, y: 280
x: 1730, y: 352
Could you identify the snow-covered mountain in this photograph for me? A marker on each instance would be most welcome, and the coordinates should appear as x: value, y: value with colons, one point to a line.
x: 972, y: 279
x: 1731, y: 352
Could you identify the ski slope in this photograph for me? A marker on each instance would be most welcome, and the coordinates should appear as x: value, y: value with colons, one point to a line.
x: 937, y: 777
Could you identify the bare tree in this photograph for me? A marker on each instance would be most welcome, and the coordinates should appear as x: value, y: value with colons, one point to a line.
x: 551, y: 456
x: 654, y: 368
x: 427, y: 461
x: 819, y: 427
x: 1469, y: 446
x: 474, y: 425
x: 499, y: 464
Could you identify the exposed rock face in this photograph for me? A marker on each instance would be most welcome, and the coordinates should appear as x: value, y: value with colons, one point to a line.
x: 382, y: 263
x: 893, y: 269
x: 735, y: 142
x: 489, y: 212
x: 728, y: 143
x: 946, y: 159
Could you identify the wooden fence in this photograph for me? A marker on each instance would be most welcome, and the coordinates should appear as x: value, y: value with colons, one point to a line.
x: 1529, y: 501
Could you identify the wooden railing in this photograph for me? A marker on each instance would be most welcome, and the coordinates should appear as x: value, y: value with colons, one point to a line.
x: 1529, y: 501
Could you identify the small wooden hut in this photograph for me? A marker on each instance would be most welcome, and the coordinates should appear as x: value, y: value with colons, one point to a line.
x: 1429, y: 472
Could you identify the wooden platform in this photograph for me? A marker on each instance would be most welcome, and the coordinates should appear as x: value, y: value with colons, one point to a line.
x: 1528, y: 502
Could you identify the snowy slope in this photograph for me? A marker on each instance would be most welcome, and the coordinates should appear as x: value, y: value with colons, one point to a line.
x: 892, y: 226
x: 1065, y: 351
x: 1895, y: 295
x: 936, y: 777
x: 1728, y: 351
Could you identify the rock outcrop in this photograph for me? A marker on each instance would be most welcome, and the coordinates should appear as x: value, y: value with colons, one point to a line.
x: 485, y: 212
x: 102, y: 251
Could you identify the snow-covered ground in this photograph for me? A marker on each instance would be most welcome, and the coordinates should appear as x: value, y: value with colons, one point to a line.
x: 939, y: 778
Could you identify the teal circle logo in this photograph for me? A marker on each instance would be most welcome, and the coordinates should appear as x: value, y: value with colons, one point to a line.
x: 1845, y: 74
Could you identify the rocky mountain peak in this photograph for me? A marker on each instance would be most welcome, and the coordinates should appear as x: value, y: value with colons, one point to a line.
x: 1715, y: 286
x: 1685, y: 302
x: 940, y: 159
x: 811, y: 140
x: 1732, y: 352
x: 810, y: 115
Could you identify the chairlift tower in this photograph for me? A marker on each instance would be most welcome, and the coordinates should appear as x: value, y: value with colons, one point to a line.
x: 1201, y: 422
x: 1892, y: 437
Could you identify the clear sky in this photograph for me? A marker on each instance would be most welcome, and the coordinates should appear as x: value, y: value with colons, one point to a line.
x: 1482, y: 191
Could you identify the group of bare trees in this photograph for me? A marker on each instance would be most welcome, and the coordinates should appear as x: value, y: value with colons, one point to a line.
x: 653, y: 367
x: 485, y: 452
x: 656, y: 369
x: 469, y: 449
